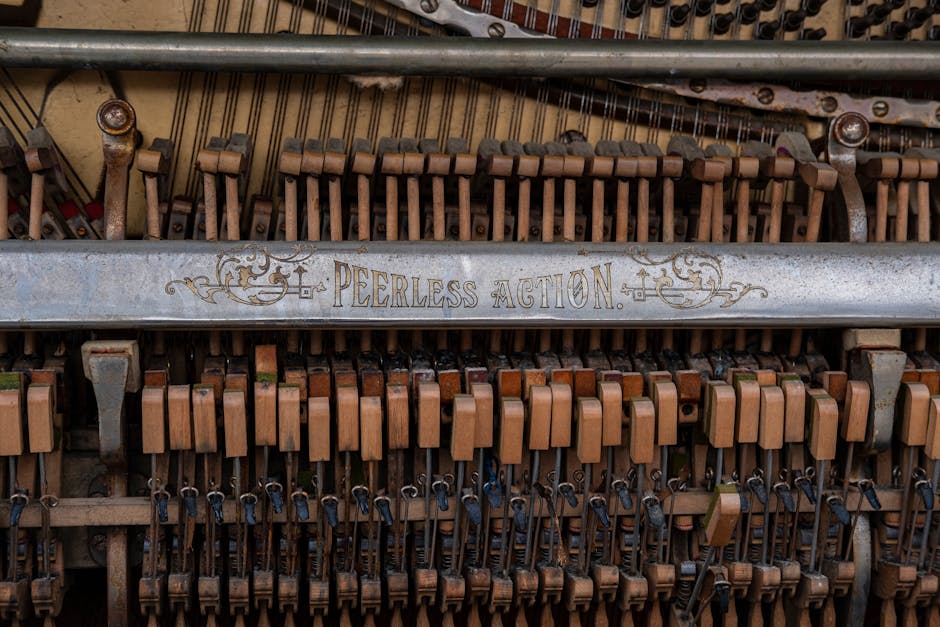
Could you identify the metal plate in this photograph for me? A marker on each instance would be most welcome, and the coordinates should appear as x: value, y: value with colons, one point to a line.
x: 135, y: 284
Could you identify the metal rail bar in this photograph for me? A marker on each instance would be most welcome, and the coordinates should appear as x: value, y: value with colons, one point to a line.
x: 230, y: 52
x: 137, y: 510
x: 136, y: 284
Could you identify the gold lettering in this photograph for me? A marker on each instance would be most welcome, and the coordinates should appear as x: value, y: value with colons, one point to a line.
x: 417, y: 301
x: 453, y: 290
x: 361, y: 280
x: 379, y: 283
x: 502, y: 294
x: 399, y: 290
x: 341, y: 270
x: 542, y: 283
x: 470, y: 289
x: 435, y: 286
x: 577, y: 289
x: 524, y: 293
x: 602, y: 286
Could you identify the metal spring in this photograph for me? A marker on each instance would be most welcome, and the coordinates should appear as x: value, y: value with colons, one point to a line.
x: 802, y: 556
x: 313, y: 555
x: 282, y: 555
x: 754, y: 552
x: 729, y: 552
x: 471, y: 550
x: 392, y: 557
x: 545, y: 545
x: 888, y: 550
x: 447, y: 559
x: 420, y: 554
x: 597, y: 553
x: 445, y: 550
x: 496, y: 543
x: 626, y: 551
x: 518, y: 549
x: 685, y: 592
x: 935, y: 562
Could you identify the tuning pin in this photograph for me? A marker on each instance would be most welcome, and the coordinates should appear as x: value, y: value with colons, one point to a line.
x: 899, y: 30
x: 858, y: 26
x: 161, y: 498
x: 703, y: 7
x: 215, y: 499
x: 755, y: 484
x: 189, y: 495
x: 274, y: 491
x: 599, y: 505
x: 654, y: 511
x: 782, y: 490
x: 330, y: 506
x: 623, y: 493
x: 793, y: 20
x: 632, y: 8
x: 768, y: 30
x: 813, y: 34
x: 878, y: 13
x: 918, y: 17
x: 867, y: 487
x: 18, y: 503
x: 567, y: 491
x: 361, y: 494
x: 248, y: 503
x: 472, y: 505
x: 301, y: 505
x: 748, y: 13
x: 722, y: 22
x: 679, y: 14
x: 837, y: 507
x: 812, y: 7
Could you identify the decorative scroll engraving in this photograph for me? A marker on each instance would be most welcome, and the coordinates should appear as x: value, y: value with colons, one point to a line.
x: 688, y: 279
x: 252, y: 276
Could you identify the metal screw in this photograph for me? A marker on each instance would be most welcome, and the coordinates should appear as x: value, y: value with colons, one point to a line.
x: 429, y: 6
x: 879, y: 108
x: 765, y: 95
x: 481, y: 229
x: 851, y: 129
x: 697, y: 85
x: 177, y: 228
x: 829, y: 104
x: 496, y: 30
x: 114, y: 117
